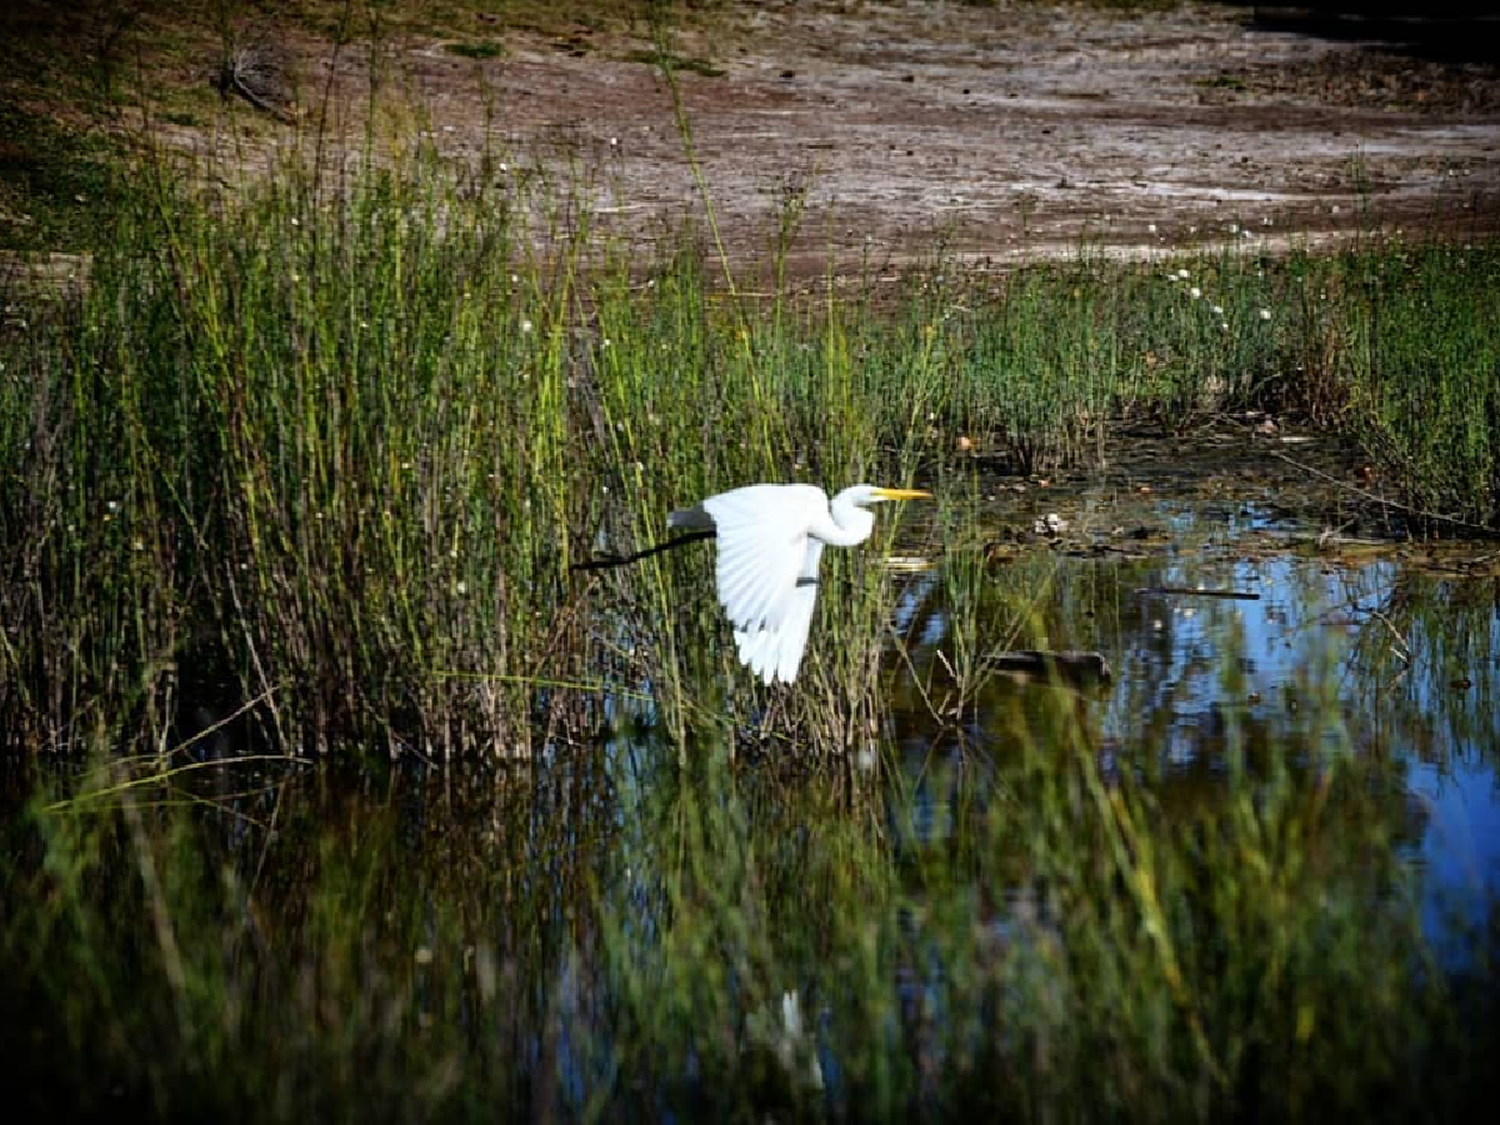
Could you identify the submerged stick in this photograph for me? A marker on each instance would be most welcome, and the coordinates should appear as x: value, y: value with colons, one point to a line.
x: 1238, y: 595
x: 599, y: 562
x: 1077, y: 669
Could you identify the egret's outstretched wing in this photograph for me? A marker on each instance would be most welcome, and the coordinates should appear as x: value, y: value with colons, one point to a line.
x: 776, y: 654
x: 763, y: 546
x: 771, y: 539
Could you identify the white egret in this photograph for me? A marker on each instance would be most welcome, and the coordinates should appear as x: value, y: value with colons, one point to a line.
x: 771, y: 539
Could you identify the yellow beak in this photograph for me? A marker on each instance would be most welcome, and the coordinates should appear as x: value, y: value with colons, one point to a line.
x: 902, y: 494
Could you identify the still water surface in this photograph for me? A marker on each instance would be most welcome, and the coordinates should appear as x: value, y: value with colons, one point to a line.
x: 603, y: 931
x: 1412, y: 659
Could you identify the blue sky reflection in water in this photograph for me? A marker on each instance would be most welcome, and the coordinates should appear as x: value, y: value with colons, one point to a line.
x: 1409, y: 657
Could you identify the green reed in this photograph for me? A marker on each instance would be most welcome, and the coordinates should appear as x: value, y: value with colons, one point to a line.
x: 1427, y: 352
x: 333, y: 446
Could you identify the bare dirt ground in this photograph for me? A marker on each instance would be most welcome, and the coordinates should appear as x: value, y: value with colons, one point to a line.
x: 999, y: 132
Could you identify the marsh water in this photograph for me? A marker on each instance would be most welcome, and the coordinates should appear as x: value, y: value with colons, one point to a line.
x: 1244, y: 647
x: 613, y: 929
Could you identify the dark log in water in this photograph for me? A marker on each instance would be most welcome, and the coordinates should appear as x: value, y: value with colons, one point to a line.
x: 1075, y: 669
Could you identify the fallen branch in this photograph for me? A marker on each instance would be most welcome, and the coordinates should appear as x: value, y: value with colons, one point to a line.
x: 1193, y: 591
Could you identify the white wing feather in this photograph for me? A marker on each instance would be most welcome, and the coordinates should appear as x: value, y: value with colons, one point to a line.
x: 776, y: 654
x: 763, y: 551
x: 762, y: 534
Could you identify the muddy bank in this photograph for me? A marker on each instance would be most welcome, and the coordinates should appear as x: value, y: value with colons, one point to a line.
x: 997, y: 132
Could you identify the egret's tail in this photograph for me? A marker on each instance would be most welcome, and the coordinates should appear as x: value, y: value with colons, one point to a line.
x: 690, y: 517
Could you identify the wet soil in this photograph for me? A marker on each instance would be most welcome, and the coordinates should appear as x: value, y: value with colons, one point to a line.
x: 1243, y: 485
x: 999, y: 133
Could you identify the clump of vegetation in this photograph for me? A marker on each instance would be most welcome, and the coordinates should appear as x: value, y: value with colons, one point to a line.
x: 285, y: 439
x: 262, y: 73
x: 343, y: 450
x: 60, y: 186
x: 315, y: 460
x: 482, y: 50
x: 1423, y: 347
x: 670, y: 60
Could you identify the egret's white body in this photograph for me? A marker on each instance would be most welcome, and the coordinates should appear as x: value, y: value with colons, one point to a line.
x: 771, y: 539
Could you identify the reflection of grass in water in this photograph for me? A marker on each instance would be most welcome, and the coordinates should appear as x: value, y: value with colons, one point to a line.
x: 623, y: 940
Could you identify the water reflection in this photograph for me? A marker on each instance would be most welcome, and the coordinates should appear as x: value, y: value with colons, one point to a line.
x: 1373, y: 658
x: 624, y: 930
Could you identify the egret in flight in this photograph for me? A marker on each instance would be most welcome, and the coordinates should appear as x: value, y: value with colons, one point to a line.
x: 771, y: 538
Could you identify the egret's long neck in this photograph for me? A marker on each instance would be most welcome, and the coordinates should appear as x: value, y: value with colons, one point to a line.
x: 850, y: 524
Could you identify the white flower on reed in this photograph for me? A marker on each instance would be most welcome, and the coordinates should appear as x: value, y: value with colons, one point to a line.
x: 1265, y: 314
x: 1195, y: 292
x: 1183, y: 274
x: 525, y: 325
x: 1218, y: 310
x: 788, y: 1039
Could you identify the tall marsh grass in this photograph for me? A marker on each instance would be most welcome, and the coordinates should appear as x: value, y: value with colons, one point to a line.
x: 334, y: 451
x: 340, y: 458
